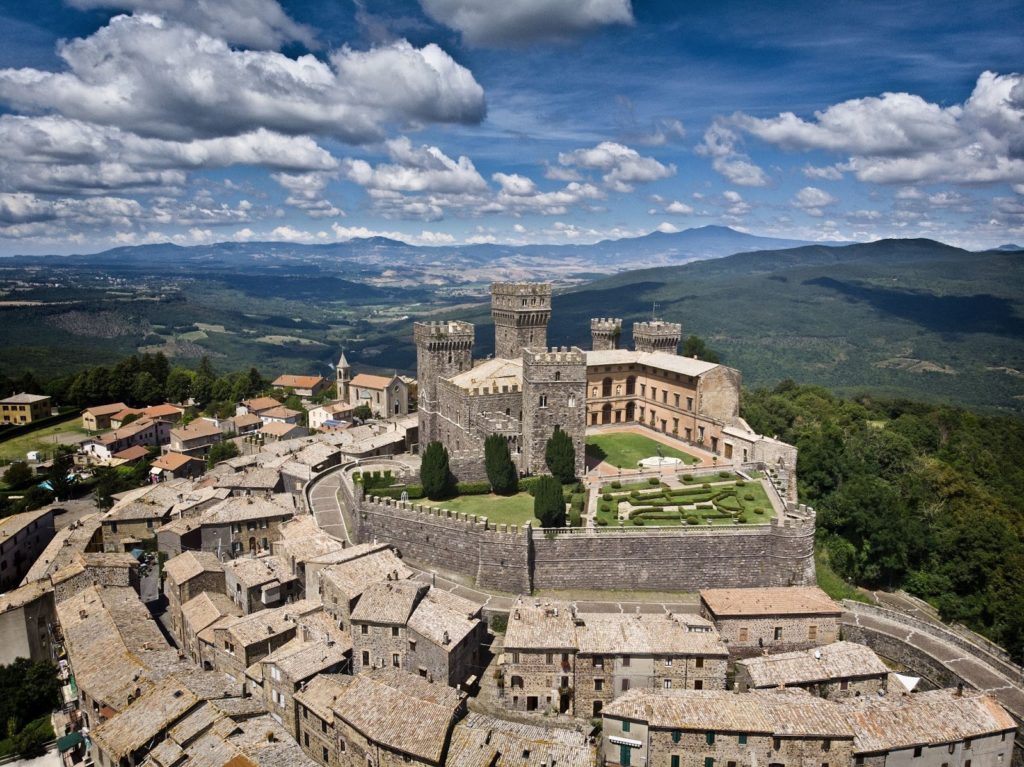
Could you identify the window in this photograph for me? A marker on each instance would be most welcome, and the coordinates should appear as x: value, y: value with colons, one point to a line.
x: 675, y: 760
x: 666, y: 684
x: 323, y: 726
x: 698, y: 663
x: 305, y: 739
x: 625, y: 685
x: 709, y: 738
x: 776, y: 743
x: 598, y: 685
x: 778, y: 633
x: 668, y: 661
x: 689, y: 403
x: 625, y: 661
x: 812, y: 633
x: 826, y: 745
x: 366, y: 657
x: 394, y: 631
x: 543, y: 402
x: 549, y: 657
x: 967, y: 744
x: 742, y: 739
x: 744, y: 634
x: 515, y: 656
x: 412, y: 645
x: 305, y: 713
x: 395, y: 661
x: 625, y: 726
x: 709, y: 761
x: 698, y: 684
x: 598, y: 661
x: 676, y: 396
x: 342, y: 748
x: 844, y: 684
x: 654, y: 393
x: 664, y: 396
x: 364, y: 629
x: 325, y: 754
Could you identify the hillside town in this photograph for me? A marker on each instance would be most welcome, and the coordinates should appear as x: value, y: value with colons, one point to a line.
x: 304, y: 597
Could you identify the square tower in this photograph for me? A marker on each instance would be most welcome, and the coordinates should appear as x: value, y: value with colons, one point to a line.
x: 657, y: 336
x: 554, y: 396
x: 521, y: 311
x: 443, y: 349
x: 604, y: 333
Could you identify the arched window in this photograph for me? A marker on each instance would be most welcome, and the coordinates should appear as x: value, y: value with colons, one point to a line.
x: 606, y: 387
x: 558, y: 375
x: 606, y: 413
x: 630, y: 386
x: 572, y: 400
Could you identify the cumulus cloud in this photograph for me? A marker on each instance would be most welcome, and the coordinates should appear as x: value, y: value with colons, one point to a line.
x: 161, y: 79
x: 252, y: 23
x: 679, y: 208
x: 23, y: 214
x: 417, y: 169
x: 811, y: 200
x: 720, y: 145
x: 514, y: 184
x: 825, y: 173
x: 736, y: 205
x: 520, y: 22
x: 622, y: 165
x: 900, y: 138
x: 306, y: 193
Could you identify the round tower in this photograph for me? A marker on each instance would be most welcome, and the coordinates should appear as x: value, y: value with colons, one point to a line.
x: 605, y: 333
x: 443, y: 349
x: 521, y: 311
x: 657, y: 336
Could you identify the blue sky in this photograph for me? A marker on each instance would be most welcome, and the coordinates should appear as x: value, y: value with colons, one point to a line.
x: 552, y: 121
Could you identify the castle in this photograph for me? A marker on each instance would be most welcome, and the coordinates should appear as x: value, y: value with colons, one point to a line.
x: 527, y: 391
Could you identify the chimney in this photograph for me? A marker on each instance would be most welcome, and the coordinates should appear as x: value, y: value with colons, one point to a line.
x: 960, y: 690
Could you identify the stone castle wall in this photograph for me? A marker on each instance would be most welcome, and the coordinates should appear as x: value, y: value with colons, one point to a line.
x: 520, y: 559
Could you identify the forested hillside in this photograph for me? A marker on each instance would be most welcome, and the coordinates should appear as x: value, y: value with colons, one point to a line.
x: 915, y: 496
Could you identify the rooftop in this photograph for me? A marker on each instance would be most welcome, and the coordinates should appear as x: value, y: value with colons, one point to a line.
x: 388, y: 602
x: 147, y: 718
x: 256, y: 571
x: 367, y: 564
x: 321, y: 693
x: 280, y: 412
x: 623, y: 634
x: 444, y: 618
x: 14, y: 524
x: 777, y: 601
x: 191, y: 564
x: 102, y: 410
x: 206, y: 608
x: 256, y: 404
x: 278, y: 429
x: 925, y: 718
x: 480, y: 739
x: 661, y: 360
x: 243, y: 508
x: 133, y: 453
x: 172, y: 461
x: 23, y: 595
x: 367, y: 381
x: 491, y: 374
x: 299, y: 660
x: 24, y: 399
x: 68, y: 541
x: 297, y: 382
x: 540, y: 626
x: 262, y: 478
x: 839, y: 660
x: 400, y: 711
x: 198, y: 428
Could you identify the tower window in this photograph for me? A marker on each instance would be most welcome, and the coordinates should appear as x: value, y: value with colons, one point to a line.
x: 558, y: 375
x: 543, y: 400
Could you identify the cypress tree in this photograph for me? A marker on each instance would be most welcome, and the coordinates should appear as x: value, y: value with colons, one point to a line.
x: 434, y: 472
x: 548, y: 503
x: 560, y: 457
x: 501, y: 472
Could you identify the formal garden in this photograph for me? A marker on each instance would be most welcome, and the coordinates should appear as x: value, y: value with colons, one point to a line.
x: 724, y: 498
x: 625, y: 450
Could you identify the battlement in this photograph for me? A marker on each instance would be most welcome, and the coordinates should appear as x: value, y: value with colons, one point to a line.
x: 657, y: 336
x: 436, y: 512
x: 482, y: 391
x: 444, y: 332
x: 538, y: 289
x: 607, y: 324
x: 556, y: 355
x: 659, y: 328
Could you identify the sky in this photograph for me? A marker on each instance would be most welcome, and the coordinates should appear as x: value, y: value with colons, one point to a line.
x: 125, y: 122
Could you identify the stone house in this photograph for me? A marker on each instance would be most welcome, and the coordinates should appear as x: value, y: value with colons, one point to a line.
x: 671, y: 728
x: 97, y: 417
x: 165, y: 412
x: 330, y: 415
x: 342, y: 583
x: 27, y: 617
x: 83, y: 535
x: 95, y: 569
x: 837, y: 670
x: 185, y: 577
x: 385, y: 395
x: 293, y: 665
x: 196, y: 438
x: 198, y: 614
x: 258, y: 583
x: 383, y: 717
x: 380, y: 624
x: 256, y: 405
x: 242, y: 524
x: 23, y: 537
x: 304, y: 386
x: 177, y: 466
x: 617, y: 653
x: 24, y: 408
x: 133, y: 521
x: 280, y: 414
x: 262, y: 480
x: 931, y: 729
x: 480, y: 739
x: 282, y: 432
x: 539, y: 658
x: 779, y: 619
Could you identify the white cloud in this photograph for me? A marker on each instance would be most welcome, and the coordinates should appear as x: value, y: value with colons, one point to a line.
x: 416, y: 169
x: 253, y: 23
x: 306, y: 193
x: 160, y: 79
x: 899, y: 138
x: 517, y: 22
x: 514, y: 184
x: 826, y: 173
x: 561, y: 173
x: 678, y: 208
x: 623, y: 166
x: 811, y: 200
x: 666, y: 228
x: 665, y: 130
x: 720, y: 145
x: 737, y: 206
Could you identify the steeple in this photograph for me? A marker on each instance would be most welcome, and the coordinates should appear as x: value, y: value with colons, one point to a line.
x: 344, y: 373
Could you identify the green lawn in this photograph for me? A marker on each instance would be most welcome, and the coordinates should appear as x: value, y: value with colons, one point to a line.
x: 15, y: 448
x: 500, y: 509
x: 725, y: 501
x: 624, y: 449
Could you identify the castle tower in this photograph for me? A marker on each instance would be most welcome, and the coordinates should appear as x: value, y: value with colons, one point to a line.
x: 344, y: 374
x: 657, y: 336
x: 554, y: 396
x: 443, y: 349
x: 604, y: 333
x: 521, y: 311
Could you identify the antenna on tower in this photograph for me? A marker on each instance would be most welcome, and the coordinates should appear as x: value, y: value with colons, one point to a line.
x: 654, y: 311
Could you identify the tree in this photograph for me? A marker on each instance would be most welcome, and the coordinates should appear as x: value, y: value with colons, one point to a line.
x: 362, y: 412
x: 28, y: 690
x: 222, y: 451
x: 60, y: 474
x: 560, y: 457
x: 548, y: 503
x: 501, y: 472
x: 435, y: 475
x: 694, y: 346
x: 179, y: 384
x: 18, y: 475
x: 146, y: 389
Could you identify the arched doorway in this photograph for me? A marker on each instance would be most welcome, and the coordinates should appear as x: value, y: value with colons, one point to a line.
x: 630, y: 411
x: 606, y: 413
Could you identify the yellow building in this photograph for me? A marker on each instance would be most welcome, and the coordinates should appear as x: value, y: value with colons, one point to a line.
x: 24, y: 408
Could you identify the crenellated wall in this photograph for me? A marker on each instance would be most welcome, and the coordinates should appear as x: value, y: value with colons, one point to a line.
x: 520, y: 559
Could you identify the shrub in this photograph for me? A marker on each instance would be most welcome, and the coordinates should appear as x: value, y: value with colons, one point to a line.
x: 473, y: 488
x: 706, y: 485
x: 548, y: 506
x: 634, y: 493
x: 692, y: 520
x: 759, y: 510
x: 605, y: 508
x: 741, y: 483
x: 687, y: 478
x: 748, y: 496
x: 499, y: 623
x: 723, y: 474
x: 639, y: 522
x: 654, y: 481
x: 434, y: 471
x: 560, y: 456
x: 606, y: 497
x: 575, y: 518
x: 501, y: 472
x: 741, y: 521
x: 602, y: 522
x: 616, y: 484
